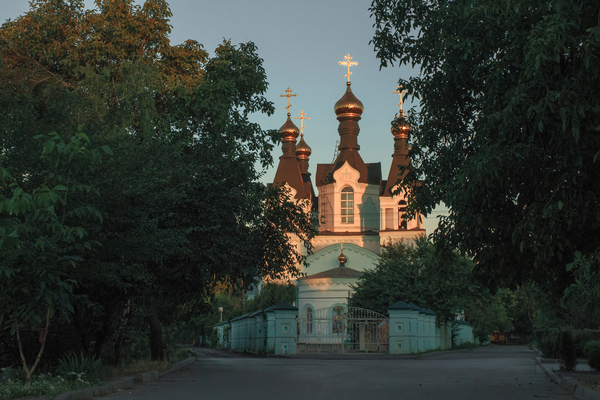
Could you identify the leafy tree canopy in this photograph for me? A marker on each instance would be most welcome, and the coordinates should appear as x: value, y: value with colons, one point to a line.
x: 507, y: 134
x: 180, y: 200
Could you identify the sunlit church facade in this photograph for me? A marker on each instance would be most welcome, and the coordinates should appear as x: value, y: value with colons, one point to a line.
x: 357, y: 210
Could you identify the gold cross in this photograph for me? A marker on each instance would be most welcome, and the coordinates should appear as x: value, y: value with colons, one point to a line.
x: 400, y: 93
x: 288, y: 94
x: 347, y: 63
x: 302, y: 117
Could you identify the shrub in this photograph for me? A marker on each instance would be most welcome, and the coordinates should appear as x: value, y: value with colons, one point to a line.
x: 73, y: 368
x: 566, y: 351
x: 592, y: 354
x: 581, y: 337
x: 214, y: 338
x: 547, y: 345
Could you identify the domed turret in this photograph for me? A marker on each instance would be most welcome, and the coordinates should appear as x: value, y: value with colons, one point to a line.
x: 342, y: 258
x: 302, y: 149
x: 349, y: 104
x: 400, y: 127
x: 289, y: 132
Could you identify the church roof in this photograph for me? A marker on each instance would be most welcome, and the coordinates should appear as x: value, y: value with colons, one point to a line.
x: 369, y: 173
x: 337, y: 272
x: 288, y: 171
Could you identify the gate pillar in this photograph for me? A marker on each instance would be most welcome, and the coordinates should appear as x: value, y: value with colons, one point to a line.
x: 400, y: 314
x: 286, y: 331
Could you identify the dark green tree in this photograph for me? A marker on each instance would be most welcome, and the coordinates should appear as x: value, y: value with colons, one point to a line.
x: 181, y: 203
x: 43, y: 238
x: 506, y: 133
x: 416, y: 273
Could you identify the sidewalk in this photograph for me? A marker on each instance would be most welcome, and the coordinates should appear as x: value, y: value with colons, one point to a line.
x: 571, y: 380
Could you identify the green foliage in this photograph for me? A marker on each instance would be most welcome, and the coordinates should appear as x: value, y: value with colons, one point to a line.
x: 439, y: 280
x: 583, y: 296
x: 566, y: 350
x: 414, y: 273
x: 12, y: 384
x: 181, y: 205
x: 214, y: 338
x: 547, y: 345
x: 82, y: 368
x: 270, y: 294
x: 506, y: 134
x: 489, y: 314
x: 592, y: 354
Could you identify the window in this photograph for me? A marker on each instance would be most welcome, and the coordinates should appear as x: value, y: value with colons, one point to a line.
x: 402, y: 223
x: 309, y: 316
x: 347, y: 205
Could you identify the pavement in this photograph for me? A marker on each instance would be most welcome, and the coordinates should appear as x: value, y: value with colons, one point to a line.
x: 496, y: 373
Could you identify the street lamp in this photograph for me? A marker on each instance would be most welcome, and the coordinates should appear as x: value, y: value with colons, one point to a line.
x: 221, y: 311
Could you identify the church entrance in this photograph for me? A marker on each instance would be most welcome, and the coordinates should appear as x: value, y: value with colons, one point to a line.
x: 343, y: 330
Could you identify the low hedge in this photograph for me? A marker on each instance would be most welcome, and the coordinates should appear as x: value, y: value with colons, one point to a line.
x: 548, y: 341
x: 592, y: 354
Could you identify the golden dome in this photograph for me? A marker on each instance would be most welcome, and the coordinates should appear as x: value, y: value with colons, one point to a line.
x: 302, y: 149
x: 289, y: 129
x: 400, y: 126
x: 349, y: 103
x: 342, y: 258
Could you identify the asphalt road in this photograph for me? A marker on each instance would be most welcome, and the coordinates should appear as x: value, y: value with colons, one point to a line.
x: 503, y: 372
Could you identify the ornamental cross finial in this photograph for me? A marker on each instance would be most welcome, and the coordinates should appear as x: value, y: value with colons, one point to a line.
x: 400, y: 92
x: 302, y: 117
x: 348, y: 63
x: 288, y: 94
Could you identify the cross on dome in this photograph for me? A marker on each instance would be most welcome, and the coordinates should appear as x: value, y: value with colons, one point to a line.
x: 302, y: 117
x: 400, y: 92
x: 348, y: 63
x: 288, y: 94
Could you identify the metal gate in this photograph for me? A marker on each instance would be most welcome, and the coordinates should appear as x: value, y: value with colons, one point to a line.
x: 343, y: 330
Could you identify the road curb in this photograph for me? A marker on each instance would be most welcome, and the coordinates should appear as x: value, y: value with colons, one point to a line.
x: 120, y: 384
x: 572, y: 385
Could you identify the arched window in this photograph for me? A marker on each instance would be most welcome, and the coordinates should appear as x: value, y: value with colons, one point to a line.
x: 347, y: 205
x: 309, y: 319
x: 402, y: 223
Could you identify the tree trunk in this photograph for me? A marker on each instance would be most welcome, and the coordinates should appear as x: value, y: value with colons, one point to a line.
x: 156, y: 339
x: 29, y: 371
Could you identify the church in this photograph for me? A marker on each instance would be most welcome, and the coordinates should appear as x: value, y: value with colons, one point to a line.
x: 358, y: 211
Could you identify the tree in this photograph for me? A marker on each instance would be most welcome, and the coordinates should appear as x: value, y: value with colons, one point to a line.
x: 42, y: 238
x: 182, y: 206
x: 507, y: 131
x: 412, y: 273
x: 416, y: 273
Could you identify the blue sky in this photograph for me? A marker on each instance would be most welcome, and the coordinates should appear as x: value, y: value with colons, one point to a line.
x: 301, y: 43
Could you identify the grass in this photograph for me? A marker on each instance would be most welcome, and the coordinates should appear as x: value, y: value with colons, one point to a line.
x: 50, y: 384
x: 12, y: 384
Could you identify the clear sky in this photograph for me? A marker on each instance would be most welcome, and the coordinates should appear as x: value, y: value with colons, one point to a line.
x: 301, y: 43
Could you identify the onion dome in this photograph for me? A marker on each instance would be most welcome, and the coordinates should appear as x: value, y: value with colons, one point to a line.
x: 302, y: 149
x: 349, y: 103
x: 342, y: 258
x: 289, y: 129
x: 400, y: 127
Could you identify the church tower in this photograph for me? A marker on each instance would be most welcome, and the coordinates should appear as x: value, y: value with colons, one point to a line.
x: 394, y: 224
x: 289, y: 169
x: 349, y: 187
